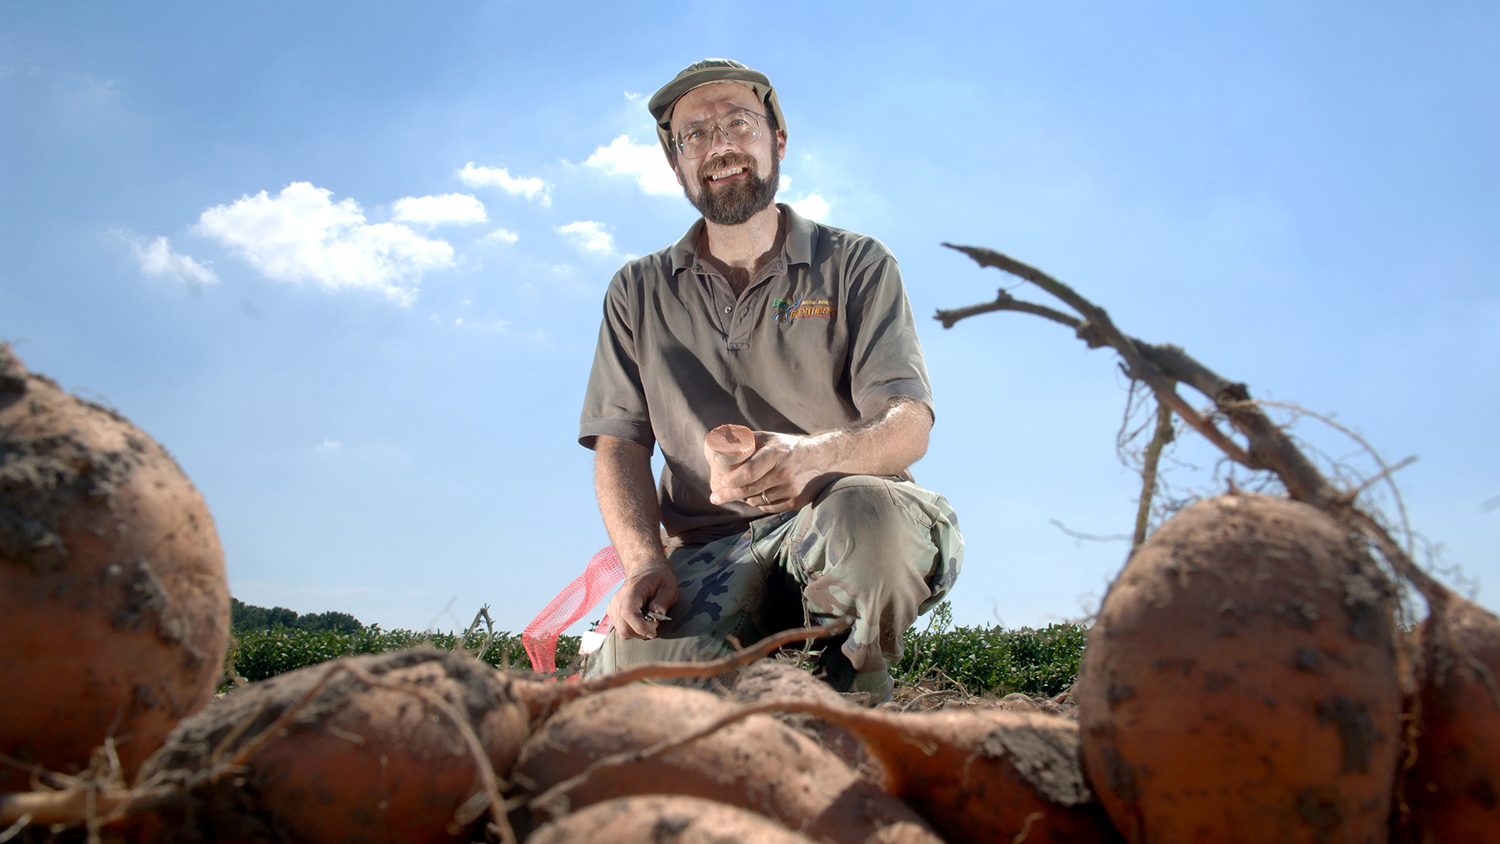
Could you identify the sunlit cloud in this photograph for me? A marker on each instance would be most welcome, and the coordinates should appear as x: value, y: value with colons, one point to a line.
x: 302, y: 235
x: 643, y: 162
x: 530, y: 187
x: 455, y: 208
x: 500, y: 236
x: 157, y: 259
x: 590, y: 238
x: 813, y: 206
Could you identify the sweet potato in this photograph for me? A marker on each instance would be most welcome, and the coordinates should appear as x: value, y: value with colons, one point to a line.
x: 759, y: 764
x: 114, y: 607
x: 1452, y: 790
x: 773, y: 680
x: 976, y: 774
x: 664, y: 819
x: 980, y: 775
x: 354, y: 762
x: 726, y: 447
x: 1240, y: 683
x: 729, y: 445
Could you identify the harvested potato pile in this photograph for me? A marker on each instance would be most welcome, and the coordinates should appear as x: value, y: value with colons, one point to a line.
x: 758, y: 763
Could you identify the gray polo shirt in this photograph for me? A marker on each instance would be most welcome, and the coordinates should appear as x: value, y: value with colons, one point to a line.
x: 822, y: 336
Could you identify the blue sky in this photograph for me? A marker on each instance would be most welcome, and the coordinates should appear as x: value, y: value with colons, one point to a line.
x: 346, y: 260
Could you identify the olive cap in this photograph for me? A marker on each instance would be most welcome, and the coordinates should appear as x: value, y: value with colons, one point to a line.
x: 702, y: 73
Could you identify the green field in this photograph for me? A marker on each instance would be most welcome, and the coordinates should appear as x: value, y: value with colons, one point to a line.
x: 978, y: 660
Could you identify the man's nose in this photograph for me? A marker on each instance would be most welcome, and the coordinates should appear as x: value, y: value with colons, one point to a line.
x: 719, y: 135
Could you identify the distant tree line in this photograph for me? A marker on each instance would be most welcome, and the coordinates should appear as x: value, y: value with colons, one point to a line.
x: 245, y: 618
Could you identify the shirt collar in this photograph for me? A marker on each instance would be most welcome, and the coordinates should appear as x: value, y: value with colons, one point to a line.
x: 801, y: 233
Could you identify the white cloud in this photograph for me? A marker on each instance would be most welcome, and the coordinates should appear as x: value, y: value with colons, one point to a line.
x: 530, y: 187
x: 158, y: 259
x: 632, y: 97
x: 485, y: 325
x: 302, y: 235
x: 590, y: 238
x: 643, y: 162
x: 331, y: 445
x: 505, y: 236
x: 458, y: 208
x: 813, y: 206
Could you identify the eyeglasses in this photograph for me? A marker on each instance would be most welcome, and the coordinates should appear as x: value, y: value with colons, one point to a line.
x: 739, y: 128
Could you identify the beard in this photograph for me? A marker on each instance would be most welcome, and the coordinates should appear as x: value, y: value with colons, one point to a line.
x: 740, y: 200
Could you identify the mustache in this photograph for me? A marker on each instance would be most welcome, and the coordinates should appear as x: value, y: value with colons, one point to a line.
x: 728, y: 159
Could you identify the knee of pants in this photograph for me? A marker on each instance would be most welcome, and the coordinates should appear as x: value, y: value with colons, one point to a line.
x: 891, y: 533
x: 869, y: 516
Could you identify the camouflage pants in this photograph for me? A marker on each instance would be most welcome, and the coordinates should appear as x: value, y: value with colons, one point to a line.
x: 875, y: 550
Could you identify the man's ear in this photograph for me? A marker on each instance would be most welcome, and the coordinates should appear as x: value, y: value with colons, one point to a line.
x: 780, y: 144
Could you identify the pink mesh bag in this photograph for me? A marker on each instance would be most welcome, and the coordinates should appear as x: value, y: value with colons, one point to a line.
x: 599, y: 578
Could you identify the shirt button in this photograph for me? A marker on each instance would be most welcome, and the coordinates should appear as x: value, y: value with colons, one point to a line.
x: 729, y: 310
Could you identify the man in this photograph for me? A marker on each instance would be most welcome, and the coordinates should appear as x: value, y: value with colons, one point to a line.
x: 803, y: 333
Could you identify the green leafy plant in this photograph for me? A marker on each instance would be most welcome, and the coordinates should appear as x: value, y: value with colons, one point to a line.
x: 993, y: 659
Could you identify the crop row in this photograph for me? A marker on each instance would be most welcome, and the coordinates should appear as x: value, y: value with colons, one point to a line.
x: 977, y: 659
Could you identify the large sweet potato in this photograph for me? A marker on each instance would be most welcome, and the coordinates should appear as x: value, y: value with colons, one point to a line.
x: 1240, y: 683
x: 114, y: 608
x: 356, y: 762
x: 976, y: 774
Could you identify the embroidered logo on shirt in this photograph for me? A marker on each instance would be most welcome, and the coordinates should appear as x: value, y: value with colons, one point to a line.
x: 804, y: 308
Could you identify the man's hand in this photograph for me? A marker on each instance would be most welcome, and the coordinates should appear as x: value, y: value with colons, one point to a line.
x: 785, y: 473
x: 654, y: 589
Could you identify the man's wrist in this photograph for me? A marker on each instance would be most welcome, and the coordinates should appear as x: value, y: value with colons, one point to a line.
x: 637, y: 565
x: 825, y: 450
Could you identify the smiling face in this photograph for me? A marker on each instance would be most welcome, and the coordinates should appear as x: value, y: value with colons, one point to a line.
x: 730, y: 184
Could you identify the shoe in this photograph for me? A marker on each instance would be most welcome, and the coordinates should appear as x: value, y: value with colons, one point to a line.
x: 833, y: 666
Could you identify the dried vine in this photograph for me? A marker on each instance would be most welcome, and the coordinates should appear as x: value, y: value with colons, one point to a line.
x: 1161, y: 367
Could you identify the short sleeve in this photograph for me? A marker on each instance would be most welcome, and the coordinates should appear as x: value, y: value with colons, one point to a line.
x: 885, y: 356
x: 614, y: 404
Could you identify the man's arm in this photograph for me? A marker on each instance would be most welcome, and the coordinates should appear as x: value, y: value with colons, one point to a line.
x: 790, y: 470
x: 627, y: 500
